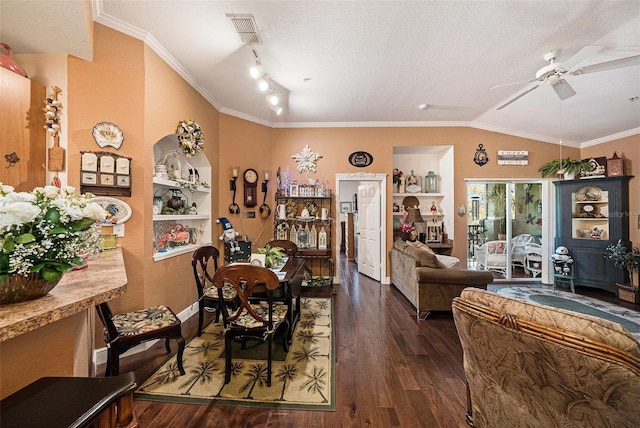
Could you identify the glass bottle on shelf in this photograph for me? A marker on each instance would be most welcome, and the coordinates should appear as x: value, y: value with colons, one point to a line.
x: 293, y: 234
x: 302, y: 237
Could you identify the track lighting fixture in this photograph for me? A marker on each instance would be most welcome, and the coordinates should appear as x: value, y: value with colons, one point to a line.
x: 257, y: 71
x: 272, y: 99
x: 266, y: 85
x: 263, y: 84
x: 276, y: 109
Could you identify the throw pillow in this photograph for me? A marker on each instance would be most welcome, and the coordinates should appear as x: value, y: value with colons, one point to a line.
x: 424, y: 255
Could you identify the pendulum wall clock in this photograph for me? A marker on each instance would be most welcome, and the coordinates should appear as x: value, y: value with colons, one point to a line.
x: 250, y: 188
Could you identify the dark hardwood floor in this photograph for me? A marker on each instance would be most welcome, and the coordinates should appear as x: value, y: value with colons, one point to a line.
x: 391, y: 370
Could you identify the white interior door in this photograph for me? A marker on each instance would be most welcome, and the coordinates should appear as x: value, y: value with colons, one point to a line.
x: 369, y: 229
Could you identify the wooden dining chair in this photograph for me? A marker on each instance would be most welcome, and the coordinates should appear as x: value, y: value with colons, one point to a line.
x: 252, y: 320
x: 205, y: 264
x: 290, y: 248
x: 126, y: 330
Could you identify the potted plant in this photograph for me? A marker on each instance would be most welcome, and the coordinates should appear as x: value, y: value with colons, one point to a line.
x: 274, y: 256
x: 567, y: 167
x: 625, y: 259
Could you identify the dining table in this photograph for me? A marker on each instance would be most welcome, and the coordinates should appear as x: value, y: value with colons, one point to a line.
x: 291, y: 275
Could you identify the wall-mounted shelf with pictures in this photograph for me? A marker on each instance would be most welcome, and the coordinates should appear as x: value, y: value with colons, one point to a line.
x: 105, y: 174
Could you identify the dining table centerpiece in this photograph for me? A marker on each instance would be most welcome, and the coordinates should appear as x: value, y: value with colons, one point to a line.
x: 43, y: 234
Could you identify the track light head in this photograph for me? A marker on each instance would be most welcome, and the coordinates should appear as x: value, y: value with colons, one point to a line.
x: 276, y: 109
x: 257, y: 71
x: 272, y: 99
x: 263, y: 85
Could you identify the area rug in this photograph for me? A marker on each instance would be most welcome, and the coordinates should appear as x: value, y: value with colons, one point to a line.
x: 304, y: 379
x: 628, y: 318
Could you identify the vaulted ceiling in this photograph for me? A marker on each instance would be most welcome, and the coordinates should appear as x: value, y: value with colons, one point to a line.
x: 372, y: 63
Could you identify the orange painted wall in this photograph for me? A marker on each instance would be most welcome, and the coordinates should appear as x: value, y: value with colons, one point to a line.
x: 111, y: 89
x: 336, y: 144
x: 168, y: 100
x: 129, y: 85
x: 247, y: 145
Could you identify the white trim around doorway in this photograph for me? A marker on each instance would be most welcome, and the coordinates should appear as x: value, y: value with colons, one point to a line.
x: 361, y: 176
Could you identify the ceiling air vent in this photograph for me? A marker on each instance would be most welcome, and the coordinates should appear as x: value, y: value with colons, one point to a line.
x: 246, y: 28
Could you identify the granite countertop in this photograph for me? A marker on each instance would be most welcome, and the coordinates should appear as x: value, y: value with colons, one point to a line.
x: 104, y: 279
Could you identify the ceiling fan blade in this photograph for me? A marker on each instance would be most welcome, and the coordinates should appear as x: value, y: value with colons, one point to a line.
x: 609, y: 65
x: 520, y: 82
x: 582, y: 54
x: 517, y: 97
x: 563, y: 89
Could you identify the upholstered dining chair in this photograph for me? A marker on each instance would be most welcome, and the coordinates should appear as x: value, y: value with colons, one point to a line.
x: 205, y: 263
x: 290, y: 248
x: 251, y: 320
x: 125, y: 330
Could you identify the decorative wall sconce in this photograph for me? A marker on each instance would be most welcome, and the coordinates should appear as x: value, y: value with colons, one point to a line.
x: 265, y: 210
x: 234, y: 208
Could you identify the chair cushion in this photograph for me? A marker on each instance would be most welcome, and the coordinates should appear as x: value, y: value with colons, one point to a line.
x: 228, y: 292
x: 144, y: 320
x: 246, y: 320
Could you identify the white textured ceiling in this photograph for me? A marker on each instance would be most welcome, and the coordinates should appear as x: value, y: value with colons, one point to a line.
x: 371, y: 63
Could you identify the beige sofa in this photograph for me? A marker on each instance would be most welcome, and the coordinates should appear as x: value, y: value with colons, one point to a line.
x: 529, y: 365
x: 424, y: 279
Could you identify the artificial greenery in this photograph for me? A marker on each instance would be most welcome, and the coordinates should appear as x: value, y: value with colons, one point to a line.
x: 622, y: 257
x: 274, y: 256
x: 564, y: 166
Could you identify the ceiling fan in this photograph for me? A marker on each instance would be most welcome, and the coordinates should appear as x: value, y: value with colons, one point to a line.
x: 552, y: 73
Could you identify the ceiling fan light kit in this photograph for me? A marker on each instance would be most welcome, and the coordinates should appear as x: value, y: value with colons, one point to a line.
x: 552, y: 73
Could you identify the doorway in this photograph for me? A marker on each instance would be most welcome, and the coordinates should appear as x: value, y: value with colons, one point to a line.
x: 374, y: 242
x: 505, y: 225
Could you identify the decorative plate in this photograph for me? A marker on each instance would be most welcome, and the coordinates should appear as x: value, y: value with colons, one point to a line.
x: 117, y: 211
x: 108, y: 134
x: 589, y: 193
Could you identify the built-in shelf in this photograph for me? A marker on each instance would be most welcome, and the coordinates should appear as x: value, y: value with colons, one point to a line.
x: 165, y: 189
x: 179, y: 184
x: 176, y: 251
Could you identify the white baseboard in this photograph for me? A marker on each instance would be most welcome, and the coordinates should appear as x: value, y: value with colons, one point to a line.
x: 100, y: 354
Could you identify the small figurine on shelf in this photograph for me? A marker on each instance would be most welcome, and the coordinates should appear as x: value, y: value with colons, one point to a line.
x: 229, y: 235
x: 434, y: 211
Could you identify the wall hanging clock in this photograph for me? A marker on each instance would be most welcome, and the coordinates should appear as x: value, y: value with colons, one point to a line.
x: 250, y: 188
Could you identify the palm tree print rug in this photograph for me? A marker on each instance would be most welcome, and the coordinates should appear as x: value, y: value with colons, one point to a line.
x: 302, y: 379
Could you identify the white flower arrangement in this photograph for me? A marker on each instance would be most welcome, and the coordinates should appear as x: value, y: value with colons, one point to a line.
x: 190, y: 137
x: 306, y: 160
x: 46, y: 230
x: 52, y: 110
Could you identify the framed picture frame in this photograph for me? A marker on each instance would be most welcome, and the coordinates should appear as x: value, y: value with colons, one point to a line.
x: 293, y: 190
x: 345, y: 207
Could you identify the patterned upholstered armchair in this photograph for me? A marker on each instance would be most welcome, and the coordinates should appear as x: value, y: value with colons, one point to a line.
x: 529, y: 365
x: 492, y: 255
